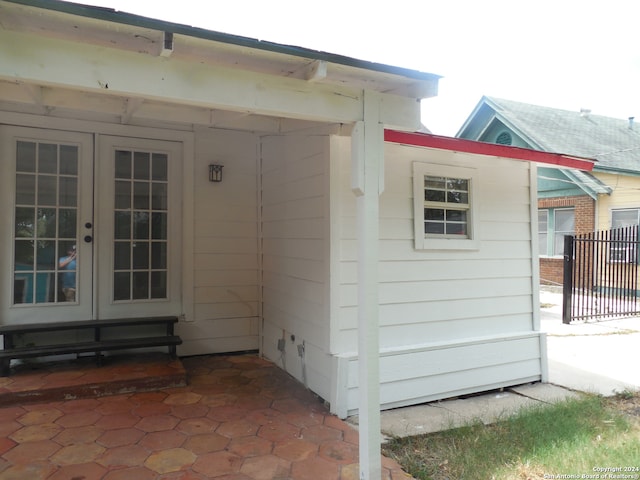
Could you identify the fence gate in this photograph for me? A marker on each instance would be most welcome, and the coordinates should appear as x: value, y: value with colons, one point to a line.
x: 600, y: 275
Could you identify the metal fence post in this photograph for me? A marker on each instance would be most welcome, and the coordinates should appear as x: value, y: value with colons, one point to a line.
x: 567, y: 279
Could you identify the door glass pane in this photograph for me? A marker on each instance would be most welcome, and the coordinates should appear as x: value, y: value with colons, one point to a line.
x: 25, y: 189
x: 26, y: 157
x: 140, y: 214
x: 46, y: 211
x: 47, y: 189
x: 47, y: 158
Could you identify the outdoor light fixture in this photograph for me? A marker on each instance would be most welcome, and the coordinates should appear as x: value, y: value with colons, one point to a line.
x: 215, y: 173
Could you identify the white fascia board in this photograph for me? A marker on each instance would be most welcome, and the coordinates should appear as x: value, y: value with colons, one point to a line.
x: 55, y: 62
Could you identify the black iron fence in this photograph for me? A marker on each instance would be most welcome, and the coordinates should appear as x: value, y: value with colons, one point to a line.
x: 601, y: 275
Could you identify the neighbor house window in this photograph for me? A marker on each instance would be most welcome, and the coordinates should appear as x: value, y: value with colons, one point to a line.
x: 543, y: 231
x: 504, y: 138
x: 444, y: 207
x: 624, y: 217
x: 624, y: 248
x: 553, y: 225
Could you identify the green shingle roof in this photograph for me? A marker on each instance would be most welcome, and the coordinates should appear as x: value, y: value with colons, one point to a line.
x: 613, y: 142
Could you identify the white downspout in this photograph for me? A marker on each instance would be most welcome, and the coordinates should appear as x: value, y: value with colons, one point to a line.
x: 367, y: 184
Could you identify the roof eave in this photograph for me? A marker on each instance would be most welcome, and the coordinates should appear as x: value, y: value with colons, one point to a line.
x: 112, y: 15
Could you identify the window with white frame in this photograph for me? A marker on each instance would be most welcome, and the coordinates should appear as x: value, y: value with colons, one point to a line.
x: 624, y: 248
x: 625, y: 217
x: 553, y: 225
x: 444, y: 199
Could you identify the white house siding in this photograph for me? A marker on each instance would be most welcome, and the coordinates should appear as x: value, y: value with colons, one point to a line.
x: 295, y: 219
x: 226, y: 258
x: 452, y: 321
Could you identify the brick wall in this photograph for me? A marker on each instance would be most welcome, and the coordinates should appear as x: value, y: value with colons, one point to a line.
x: 551, y: 268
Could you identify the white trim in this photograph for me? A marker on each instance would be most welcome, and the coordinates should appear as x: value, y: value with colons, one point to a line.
x: 535, y: 257
x: 422, y: 242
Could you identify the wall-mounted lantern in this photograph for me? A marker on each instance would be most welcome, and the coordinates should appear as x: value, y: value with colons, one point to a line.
x: 215, y: 173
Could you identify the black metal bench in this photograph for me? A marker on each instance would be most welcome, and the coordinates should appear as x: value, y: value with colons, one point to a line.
x: 96, y: 345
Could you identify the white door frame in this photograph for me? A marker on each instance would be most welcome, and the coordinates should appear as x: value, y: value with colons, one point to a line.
x: 106, y: 305
x: 82, y: 307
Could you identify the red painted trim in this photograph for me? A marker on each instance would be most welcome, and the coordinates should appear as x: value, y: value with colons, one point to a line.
x: 492, y: 149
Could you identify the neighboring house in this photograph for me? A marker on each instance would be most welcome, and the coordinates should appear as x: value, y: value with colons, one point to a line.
x: 569, y: 201
x: 109, y: 125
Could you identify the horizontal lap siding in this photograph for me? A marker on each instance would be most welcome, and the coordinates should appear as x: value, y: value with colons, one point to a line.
x: 454, y: 319
x: 412, y: 281
x: 226, y: 280
x: 294, y: 263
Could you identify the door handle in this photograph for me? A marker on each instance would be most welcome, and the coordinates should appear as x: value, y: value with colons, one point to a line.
x: 88, y: 225
x: 88, y: 238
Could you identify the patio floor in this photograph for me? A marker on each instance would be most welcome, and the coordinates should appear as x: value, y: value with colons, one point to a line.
x: 237, y: 418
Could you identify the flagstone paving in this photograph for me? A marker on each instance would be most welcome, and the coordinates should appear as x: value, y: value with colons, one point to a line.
x: 239, y: 418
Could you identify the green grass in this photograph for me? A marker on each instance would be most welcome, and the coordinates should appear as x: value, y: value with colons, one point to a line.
x: 571, y: 437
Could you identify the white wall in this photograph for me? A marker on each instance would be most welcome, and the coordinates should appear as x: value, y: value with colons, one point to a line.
x: 452, y: 321
x: 226, y: 300
x: 295, y: 219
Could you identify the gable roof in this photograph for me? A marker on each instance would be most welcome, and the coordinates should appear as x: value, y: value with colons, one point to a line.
x: 615, y: 143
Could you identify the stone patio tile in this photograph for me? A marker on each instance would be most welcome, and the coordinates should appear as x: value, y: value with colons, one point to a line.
x: 321, y: 433
x: 88, y: 471
x: 164, y: 440
x: 189, y: 411
x: 217, y: 464
x: 32, y: 470
x: 80, y: 405
x: 115, y: 421
x: 149, y: 409
x: 31, y: 451
x: 279, y: 431
x: 339, y: 452
x: 195, y: 426
x: 120, y: 437
x: 315, y: 468
x: 33, y: 433
x: 77, y: 454
x: 170, y: 460
x: 6, y: 444
x: 295, y: 450
x: 86, y: 434
x: 78, y: 419
x: 37, y: 417
x: 132, y: 473
x: 157, y: 423
x: 186, y: 398
x: 127, y: 456
x: 250, y: 446
x: 237, y: 428
x: 266, y: 467
x: 206, y: 443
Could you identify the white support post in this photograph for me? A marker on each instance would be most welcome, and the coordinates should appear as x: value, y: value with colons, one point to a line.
x: 368, y: 144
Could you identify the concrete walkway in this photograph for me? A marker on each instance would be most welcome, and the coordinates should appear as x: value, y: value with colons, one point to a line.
x: 594, y: 357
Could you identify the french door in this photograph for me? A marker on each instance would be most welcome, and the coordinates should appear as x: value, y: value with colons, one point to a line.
x: 91, y: 227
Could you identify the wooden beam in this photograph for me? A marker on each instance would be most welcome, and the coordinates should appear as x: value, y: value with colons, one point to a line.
x: 316, y: 71
x: 109, y: 71
x: 131, y: 105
